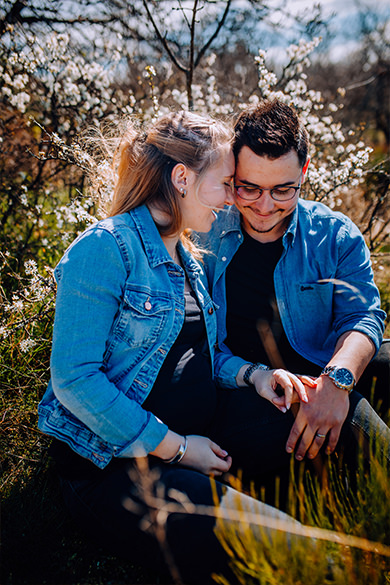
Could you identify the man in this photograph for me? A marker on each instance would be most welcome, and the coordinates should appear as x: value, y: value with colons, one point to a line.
x: 294, y: 286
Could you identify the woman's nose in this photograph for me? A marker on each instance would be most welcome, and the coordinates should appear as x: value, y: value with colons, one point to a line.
x: 229, y: 200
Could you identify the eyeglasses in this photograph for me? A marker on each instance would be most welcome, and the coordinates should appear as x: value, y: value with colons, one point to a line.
x: 252, y: 193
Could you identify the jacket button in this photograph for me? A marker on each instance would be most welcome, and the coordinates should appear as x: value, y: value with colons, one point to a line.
x: 148, y: 305
x: 210, y: 311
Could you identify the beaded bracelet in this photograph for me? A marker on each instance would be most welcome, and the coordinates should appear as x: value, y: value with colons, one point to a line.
x: 180, y: 454
x: 249, y: 371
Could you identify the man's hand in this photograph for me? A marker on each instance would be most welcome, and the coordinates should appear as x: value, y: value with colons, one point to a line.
x: 324, y: 414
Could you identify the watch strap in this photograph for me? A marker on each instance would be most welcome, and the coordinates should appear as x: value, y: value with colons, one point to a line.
x: 330, y: 371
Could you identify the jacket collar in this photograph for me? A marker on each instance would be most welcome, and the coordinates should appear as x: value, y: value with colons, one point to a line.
x: 155, y: 249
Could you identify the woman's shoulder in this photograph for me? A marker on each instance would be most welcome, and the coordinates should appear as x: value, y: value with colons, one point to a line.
x: 109, y: 238
x: 114, y: 223
x: 117, y: 227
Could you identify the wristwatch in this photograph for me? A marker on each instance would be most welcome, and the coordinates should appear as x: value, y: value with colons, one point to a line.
x: 249, y: 371
x: 341, y: 377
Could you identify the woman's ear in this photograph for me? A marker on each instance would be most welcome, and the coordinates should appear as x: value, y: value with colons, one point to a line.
x: 179, y: 176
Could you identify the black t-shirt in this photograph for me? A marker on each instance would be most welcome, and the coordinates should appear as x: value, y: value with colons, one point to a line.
x: 251, y: 300
x: 184, y: 396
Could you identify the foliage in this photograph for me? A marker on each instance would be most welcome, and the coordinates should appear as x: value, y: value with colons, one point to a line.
x: 344, y: 526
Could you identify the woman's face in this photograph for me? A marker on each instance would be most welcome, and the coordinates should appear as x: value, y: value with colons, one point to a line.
x: 209, y: 194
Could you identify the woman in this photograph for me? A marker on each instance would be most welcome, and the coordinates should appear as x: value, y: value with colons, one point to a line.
x: 133, y: 351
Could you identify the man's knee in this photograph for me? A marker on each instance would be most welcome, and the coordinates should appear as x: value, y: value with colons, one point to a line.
x: 375, y: 381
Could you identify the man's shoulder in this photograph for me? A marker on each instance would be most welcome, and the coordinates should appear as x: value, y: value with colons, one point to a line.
x: 315, y: 210
x: 319, y: 220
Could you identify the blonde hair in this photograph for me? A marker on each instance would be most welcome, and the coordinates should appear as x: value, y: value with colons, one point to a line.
x: 144, y: 161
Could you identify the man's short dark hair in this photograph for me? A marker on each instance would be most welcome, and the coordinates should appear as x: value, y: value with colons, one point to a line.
x: 272, y: 129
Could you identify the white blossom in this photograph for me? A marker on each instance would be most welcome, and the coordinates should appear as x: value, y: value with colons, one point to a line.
x: 27, y: 344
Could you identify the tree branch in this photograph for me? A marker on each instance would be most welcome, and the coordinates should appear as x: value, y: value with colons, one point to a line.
x: 163, y: 40
x: 214, y: 35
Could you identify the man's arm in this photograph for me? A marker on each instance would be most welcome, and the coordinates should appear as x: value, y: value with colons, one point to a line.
x: 328, y: 405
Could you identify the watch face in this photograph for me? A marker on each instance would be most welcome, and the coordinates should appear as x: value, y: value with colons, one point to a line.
x: 344, y: 376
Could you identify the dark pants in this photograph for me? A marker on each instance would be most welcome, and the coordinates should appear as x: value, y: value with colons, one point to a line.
x: 115, y: 508
x: 375, y: 381
x: 119, y: 511
x: 113, y: 512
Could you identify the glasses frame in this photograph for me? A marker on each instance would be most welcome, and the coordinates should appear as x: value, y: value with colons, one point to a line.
x: 271, y: 192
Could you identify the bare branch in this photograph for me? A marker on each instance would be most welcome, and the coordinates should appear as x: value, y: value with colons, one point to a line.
x: 214, y: 35
x: 163, y: 39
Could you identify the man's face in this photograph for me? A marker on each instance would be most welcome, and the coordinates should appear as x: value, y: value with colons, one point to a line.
x: 266, y: 219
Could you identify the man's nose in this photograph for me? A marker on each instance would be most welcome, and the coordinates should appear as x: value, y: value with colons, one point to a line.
x: 265, y: 202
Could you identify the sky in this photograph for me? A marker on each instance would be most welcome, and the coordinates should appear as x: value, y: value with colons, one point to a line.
x: 344, y: 19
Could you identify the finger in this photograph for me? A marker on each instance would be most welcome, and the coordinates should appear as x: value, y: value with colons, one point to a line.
x: 217, y: 450
x: 290, y: 382
x: 282, y: 380
x: 222, y: 466
x: 318, y: 441
x: 295, y: 433
x: 308, y: 380
x: 334, y: 436
x: 288, y: 394
x: 300, y: 389
x: 279, y: 402
x: 305, y: 444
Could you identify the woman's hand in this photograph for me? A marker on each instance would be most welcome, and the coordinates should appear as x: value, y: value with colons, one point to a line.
x: 281, y: 387
x: 201, y: 454
x: 206, y: 456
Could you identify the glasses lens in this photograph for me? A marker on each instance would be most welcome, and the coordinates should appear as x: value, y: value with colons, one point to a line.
x: 247, y: 193
x: 253, y: 193
x: 284, y: 194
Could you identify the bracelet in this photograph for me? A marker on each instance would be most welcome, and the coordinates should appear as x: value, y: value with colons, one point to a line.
x: 249, y: 371
x: 180, y: 454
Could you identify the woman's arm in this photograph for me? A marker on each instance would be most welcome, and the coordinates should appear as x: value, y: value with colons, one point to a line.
x: 91, y: 279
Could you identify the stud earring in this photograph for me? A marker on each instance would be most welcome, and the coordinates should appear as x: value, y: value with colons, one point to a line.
x: 183, y: 192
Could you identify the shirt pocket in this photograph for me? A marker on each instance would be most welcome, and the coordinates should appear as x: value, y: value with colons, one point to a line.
x: 315, y: 302
x: 142, y: 317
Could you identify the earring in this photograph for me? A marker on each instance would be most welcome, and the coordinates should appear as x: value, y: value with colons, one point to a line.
x: 183, y: 192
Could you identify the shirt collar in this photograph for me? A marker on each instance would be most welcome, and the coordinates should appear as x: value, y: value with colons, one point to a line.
x: 290, y: 233
x: 233, y: 223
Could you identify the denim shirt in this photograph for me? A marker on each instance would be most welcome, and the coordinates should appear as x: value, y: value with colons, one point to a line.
x: 323, y: 281
x: 119, y: 309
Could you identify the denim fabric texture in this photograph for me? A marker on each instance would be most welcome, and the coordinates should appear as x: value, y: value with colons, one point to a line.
x: 119, y: 309
x: 323, y: 282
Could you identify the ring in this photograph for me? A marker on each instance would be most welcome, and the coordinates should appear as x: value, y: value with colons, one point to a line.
x: 320, y: 436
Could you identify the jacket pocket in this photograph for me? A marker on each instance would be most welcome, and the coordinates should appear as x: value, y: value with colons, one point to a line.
x: 142, y: 316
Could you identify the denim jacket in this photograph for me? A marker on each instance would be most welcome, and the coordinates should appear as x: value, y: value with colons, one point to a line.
x: 323, y: 282
x: 119, y: 309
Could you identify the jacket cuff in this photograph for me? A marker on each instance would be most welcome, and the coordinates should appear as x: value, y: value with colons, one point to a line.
x: 151, y: 436
x: 228, y: 370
